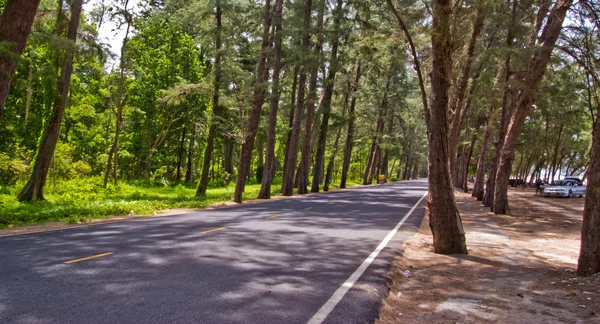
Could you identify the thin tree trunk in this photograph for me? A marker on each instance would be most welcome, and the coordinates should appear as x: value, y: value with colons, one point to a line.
x: 253, y: 120
x: 329, y: 174
x: 208, y: 150
x: 15, y: 25
x: 326, y: 104
x: 34, y: 189
x: 478, y: 189
x: 444, y: 218
x: 531, y: 77
x: 291, y: 119
x: 455, y: 117
x: 269, y: 169
x: 350, y: 133
x: 181, y: 154
x: 189, y: 173
x: 304, y: 167
x: 114, y: 150
x: 287, y: 187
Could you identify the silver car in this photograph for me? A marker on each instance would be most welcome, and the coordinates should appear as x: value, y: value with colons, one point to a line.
x: 564, y: 188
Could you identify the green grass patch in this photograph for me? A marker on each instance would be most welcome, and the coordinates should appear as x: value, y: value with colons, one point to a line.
x: 83, y: 199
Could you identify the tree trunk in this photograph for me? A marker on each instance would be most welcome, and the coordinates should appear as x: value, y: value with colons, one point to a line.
x: 481, y: 164
x: 467, y: 154
x: 214, y: 123
x: 304, y: 167
x: 253, y: 120
x: 350, y: 133
x: 589, y: 254
x: 181, y: 154
x: 34, y: 189
x: 326, y: 103
x: 113, y: 154
x: 444, y: 218
x: 455, y: 117
x: 329, y: 174
x: 270, y: 164
x: 15, y: 25
x: 531, y: 79
x: 287, y: 187
x: 189, y: 173
x: 291, y: 119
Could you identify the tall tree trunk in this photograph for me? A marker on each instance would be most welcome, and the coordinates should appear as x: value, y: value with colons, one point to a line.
x: 269, y: 169
x: 214, y: 123
x: 181, y: 154
x: 331, y: 162
x: 34, y: 189
x: 326, y: 103
x: 15, y: 25
x: 189, y: 173
x: 113, y: 154
x: 455, y: 117
x: 589, y: 254
x: 287, y: 187
x: 531, y: 77
x: 350, y: 132
x: 481, y: 164
x: 259, y: 98
x: 444, y: 218
x: 304, y: 167
x: 467, y: 154
x: 291, y: 119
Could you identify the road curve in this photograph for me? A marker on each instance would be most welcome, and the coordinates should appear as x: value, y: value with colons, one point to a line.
x: 275, y: 262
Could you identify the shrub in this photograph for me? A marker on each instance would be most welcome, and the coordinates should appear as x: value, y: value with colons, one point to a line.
x: 11, y: 170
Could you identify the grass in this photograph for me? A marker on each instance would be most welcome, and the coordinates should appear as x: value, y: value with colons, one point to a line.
x: 81, y: 200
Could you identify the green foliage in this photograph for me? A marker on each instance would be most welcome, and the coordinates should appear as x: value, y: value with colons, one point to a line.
x: 84, y: 199
x: 11, y: 170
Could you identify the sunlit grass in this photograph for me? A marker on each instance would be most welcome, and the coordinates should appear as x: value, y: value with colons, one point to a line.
x: 84, y: 199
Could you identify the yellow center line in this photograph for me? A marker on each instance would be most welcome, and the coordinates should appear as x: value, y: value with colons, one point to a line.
x: 213, y: 230
x: 89, y: 258
x: 274, y: 216
x: 308, y: 208
x: 331, y: 203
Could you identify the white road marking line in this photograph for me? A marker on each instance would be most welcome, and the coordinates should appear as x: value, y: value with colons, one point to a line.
x: 337, y: 296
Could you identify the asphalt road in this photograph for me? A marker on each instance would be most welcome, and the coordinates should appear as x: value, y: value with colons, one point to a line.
x: 273, y: 262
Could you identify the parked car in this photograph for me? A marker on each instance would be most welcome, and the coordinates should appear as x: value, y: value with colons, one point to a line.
x: 564, y: 188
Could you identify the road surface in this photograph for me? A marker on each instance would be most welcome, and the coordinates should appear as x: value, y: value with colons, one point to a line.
x: 293, y: 260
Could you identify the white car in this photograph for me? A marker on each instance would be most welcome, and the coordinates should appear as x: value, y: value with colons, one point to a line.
x: 565, y: 188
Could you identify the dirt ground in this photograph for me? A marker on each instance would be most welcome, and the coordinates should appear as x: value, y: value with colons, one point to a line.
x: 520, y: 268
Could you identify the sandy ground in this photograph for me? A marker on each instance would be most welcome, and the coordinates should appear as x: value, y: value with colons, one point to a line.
x: 520, y: 268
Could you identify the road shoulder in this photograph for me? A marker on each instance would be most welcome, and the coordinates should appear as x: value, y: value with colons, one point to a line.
x: 520, y: 268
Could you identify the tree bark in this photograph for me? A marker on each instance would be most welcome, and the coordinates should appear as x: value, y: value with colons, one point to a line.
x: 181, y: 154
x: 480, y: 173
x: 259, y: 98
x: 304, y: 167
x: 291, y: 119
x: 269, y: 169
x: 34, y: 189
x: 15, y: 25
x: 189, y: 173
x: 589, y: 254
x: 444, y: 218
x: 350, y: 132
x: 455, y: 110
x: 287, y: 188
x: 531, y: 79
x: 326, y: 103
x: 113, y: 154
x: 214, y: 123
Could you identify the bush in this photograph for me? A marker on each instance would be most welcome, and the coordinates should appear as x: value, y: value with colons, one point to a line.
x: 11, y: 170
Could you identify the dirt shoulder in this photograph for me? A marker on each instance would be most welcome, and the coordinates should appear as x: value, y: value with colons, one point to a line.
x: 520, y: 268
